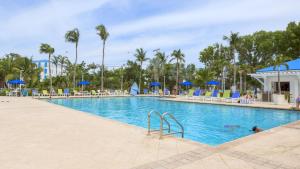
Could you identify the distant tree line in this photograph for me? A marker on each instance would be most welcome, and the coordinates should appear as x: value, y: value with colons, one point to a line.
x: 236, y: 57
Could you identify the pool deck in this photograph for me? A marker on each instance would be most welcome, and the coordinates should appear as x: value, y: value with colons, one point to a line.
x: 40, y: 135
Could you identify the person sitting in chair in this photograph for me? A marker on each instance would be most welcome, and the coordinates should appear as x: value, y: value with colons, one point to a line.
x: 298, y: 102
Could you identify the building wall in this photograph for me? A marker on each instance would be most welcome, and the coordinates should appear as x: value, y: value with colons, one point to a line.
x: 293, y: 80
x: 44, y: 64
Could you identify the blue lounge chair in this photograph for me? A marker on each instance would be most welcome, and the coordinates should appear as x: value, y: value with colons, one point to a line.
x: 24, y: 92
x: 167, y: 91
x: 35, y: 93
x: 145, y: 91
x: 214, y: 95
x: 67, y: 92
x: 235, y: 97
x: 197, y: 92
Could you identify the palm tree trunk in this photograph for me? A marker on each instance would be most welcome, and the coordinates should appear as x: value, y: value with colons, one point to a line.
x: 56, y: 69
x: 245, y: 82
x: 50, y: 76
x: 140, y: 77
x: 74, y: 73
x: 234, y: 71
x: 279, y: 88
x: 241, y: 82
x: 61, y: 68
x: 177, y: 77
x: 102, y: 71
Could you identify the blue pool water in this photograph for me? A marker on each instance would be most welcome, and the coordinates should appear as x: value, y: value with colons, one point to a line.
x: 205, y: 123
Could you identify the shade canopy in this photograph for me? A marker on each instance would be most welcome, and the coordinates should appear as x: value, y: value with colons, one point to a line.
x: 153, y: 84
x: 84, y: 83
x: 186, y: 83
x: 213, y: 82
x: 16, y: 81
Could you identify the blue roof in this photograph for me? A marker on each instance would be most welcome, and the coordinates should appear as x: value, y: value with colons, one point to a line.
x: 293, y: 65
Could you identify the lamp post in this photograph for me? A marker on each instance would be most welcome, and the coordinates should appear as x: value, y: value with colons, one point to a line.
x: 20, y: 80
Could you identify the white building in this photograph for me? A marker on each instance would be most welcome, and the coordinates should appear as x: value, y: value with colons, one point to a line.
x: 289, y: 79
x: 44, y: 64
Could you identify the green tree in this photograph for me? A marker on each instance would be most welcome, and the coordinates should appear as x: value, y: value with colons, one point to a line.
x: 163, y: 59
x: 72, y: 36
x: 102, y: 32
x: 140, y: 56
x: 55, y: 62
x: 62, y: 62
x: 179, y: 57
x: 233, y: 40
x: 47, y: 49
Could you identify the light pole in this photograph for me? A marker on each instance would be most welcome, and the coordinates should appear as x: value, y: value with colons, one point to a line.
x: 20, y: 80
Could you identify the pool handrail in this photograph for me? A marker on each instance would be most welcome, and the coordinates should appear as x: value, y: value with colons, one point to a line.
x: 161, y: 123
x: 172, y: 117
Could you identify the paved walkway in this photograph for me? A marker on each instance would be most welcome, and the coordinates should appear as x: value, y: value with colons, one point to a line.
x: 35, y: 134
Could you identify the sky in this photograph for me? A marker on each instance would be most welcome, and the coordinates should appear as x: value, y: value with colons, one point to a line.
x: 189, y: 25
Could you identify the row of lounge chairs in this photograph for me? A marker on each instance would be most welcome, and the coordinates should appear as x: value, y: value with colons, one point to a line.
x: 158, y: 92
x: 66, y: 92
x: 63, y: 92
x: 215, y: 95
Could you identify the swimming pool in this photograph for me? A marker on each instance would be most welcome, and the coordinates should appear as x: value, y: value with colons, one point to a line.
x: 205, y: 123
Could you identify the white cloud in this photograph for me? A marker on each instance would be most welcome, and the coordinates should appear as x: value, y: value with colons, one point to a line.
x: 188, y: 28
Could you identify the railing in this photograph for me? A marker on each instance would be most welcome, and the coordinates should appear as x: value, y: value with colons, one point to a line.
x: 177, y: 122
x: 161, y: 129
x: 162, y: 120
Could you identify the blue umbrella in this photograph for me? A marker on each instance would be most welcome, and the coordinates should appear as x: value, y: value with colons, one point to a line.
x: 154, y: 84
x: 186, y: 83
x: 16, y: 81
x: 213, y: 83
x: 84, y: 83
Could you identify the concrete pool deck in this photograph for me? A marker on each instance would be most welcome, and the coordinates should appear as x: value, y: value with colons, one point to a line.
x: 40, y: 135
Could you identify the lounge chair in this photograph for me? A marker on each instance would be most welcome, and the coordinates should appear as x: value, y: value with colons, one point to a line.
x: 160, y: 92
x: 8, y: 93
x: 24, y: 92
x: 191, y: 92
x: 226, y: 95
x: 214, y: 95
x: 235, y: 97
x: 94, y: 93
x: 45, y: 93
x: 145, y: 91
x: 76, y: 93
x: 167, y: 92
x: 60, y: 92
x: 66, y: 92
x: 207, y: 95
x: 35, y: 93
x: 197, y: 94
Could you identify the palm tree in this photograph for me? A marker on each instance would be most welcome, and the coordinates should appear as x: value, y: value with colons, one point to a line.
x: 279, y: 62
x: 140, y: 57
x: 179, y: 57
x: 163, y: 60
x: 55, y: 61
x: 47, y: 49
x: 62, y: 62
x: 102, y: 32
x: 233, y: 41
x: 72, y: 36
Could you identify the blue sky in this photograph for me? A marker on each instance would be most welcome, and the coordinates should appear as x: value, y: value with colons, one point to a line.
x: 189, y: 25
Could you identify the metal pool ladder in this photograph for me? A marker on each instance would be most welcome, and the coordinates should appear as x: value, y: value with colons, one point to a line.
x: 162, y: 118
